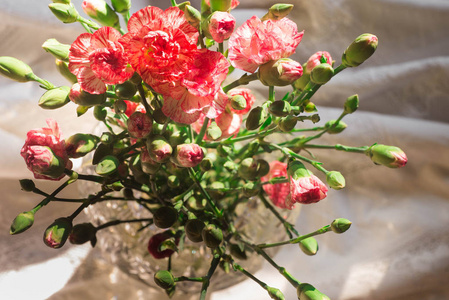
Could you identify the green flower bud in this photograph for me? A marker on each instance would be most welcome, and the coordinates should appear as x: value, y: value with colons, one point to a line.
x: 280, y: 108
x: 15, y: 69
x: 83, y: 98
x: 107, y: 165
x: 279, y: 72
x: 217, y: 195
x: 192, y: 15
x: 230, y: 166
x: 250, y: 189
x: 120, y: 106
x: 194, y: 229
x: 224, y: 150
x: 22, y: 222
x: 196, y: 203
x: 164, y: 279
x: 296, y: 170
x: 256, y: 118
x: 351, y: 104
x: 165, y: 217
x: 159, y: 149
x: 278, y: 11
x: 322, y: 73
x: 125, y: 90
x: 63, y: 69
x: 212, y: 236
x: 248, y: 168
x: 79, y: 144
x: 309, y: 246
x: 121, y: 6
x: 159, y: 117
x: 300, y: 84
x: 100, y: 113
x: 315, y: 118
x: 360, y: 50
x: 173, y: 181
x: 213, y: 132
x: 333, y: 127
x: 64, y: 12
x: 306, y: 291
x: 287, y: 123
x: 310, y: 107
x: 238, y: 102
x: 335, y: 180
x: 58, y: 50
x: 340, y: 225
x: 206, y: 164
x: 263, y: 167
x: 61, y: 1
x: 101, y: 11
x: 275, y: 293
x: 55, y: 98
x: 27, y: 185
x: 238, y: 252
x: 389, y: 156
x: 82, y: 233
x: 182, y: 5
x: 57, y: 233
x: 220, y: 5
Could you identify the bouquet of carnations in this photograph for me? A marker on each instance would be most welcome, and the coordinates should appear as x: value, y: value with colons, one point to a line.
x: 174, y: 140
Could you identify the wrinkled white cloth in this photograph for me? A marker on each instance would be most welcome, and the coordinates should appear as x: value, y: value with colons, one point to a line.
x: 398, y: 245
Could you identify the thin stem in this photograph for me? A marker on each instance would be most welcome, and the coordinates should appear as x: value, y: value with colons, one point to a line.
x: 200, y: 135
x: 144, y: 99
x: 289, y: 227
x: 117, y: 222
x: 206, y: 280
x: 209, y: 200
x: 184, y: 278
x: 245, y: 79
x: 339, y: 147
x: 89, y: 23
x: 126, y: 16
x: 173, y: 3
x: 271, y: 96
x: 221, y: 48
x: 298, y: 239
x: 249, y: 275
x: 50, y: 197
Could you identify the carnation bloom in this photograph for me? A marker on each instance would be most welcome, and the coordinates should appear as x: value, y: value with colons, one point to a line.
x: 247, y: 94
x: 155, y: 242
x: 256, y: 43
x: 40, y: 148
x: 277, y: 192
x: 189, y: 155
x: 160, y: 45
x: 221, y: 26
x: 315, y: 60
x: 98, y: 59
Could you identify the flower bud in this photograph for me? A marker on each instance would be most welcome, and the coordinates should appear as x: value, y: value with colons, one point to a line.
x: 107, y: 165
x: 278, y: 11
x: 315, y: 118
x: 322, y: 74
x: 196, y: 204
x: 317, y: 59
x: 310, y: 107
x: 206, y: 164
x: 360, y: 50
x: 287, y: 123
x: 165, y: 217
x: 309, y: 246
x: 389, y: 156
x: 121, y: 6
x: 307, y: 291
x: 280, y: 108
x: 333, y: 127
x: 64, y: 12
x: 248, y: 168
x: 340, y: 225
x: 58, y: 50
x: 83, y: 98
x: 238, y: 102
x: 351, y: 104
x: 100, y: 11
x: 220, y: 5
x: 15, y: 69
x: 100, y: 113
x: 194, y: 229
x: 82, y: 233
x: 189, y: 155
x: 164, y: 279
x: 27, y: 185
x: 192, y: 15
x: 213, y: 132
x: 237, y: 252
x: 63, y: 69
x: 263, y: 167
x: 155, y: 243
x: 275, y: 293
x: 22, y: 222
x: 55, y: 98
x: 279, y: 72
x: 335, y: 180
x: 57, y: 233
x: 125, y: 90
x: 220, y: 25
x: 41, y: 160
x: 79, y: 144
x: 212, y: 236
x: 159, y: 117
x: 61, y: 1
x: 250, y: 189
x: 159, y: 149
x: 139, y: 125
x: 301, y: 83
x: 148, y: 165
x: 256, y: 118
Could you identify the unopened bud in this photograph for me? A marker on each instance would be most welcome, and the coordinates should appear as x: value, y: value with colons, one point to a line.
x: 280, y: 108
x: 100, y: 11
x: 194, y: 229
x: 335, y: 180
x: 58, y: 50
x: 22, y: 222
x: 64, y: 12
x: 159, y: 149
x: 82, y: 233
x: 230, y: 166
x: 192, y: 15
x: 306, y: 291
x: 315, y: 118
x: 279, y: 72
x: 334, y: 127
x: 212, y: 236
x: 250, y: 189
x: 317, y: 59
x: 196, y: 204
x: 213, y: 132
x: 83, y: 98
x: 389, y: 156
x: 322, y: 73
x: 310, y: 107
x: 61, y: 1
x: 121, y: 6
x: 100, y: 113
x: 165, y: 217
x: 55, y: 98
x: 27, y: 185
x: 263, y: 167
x: 57, y: 233
x: 238, y: 252
x: 107, y: 165
x: 256, y: 118
x: 351, y: 104
x: 275, y: 293
x: 139, y: 125
x: 340, y: 225
x: 238, y: 102
x: 220, y: 25
x: 248, y: 168
x: 206, y: 164
x: 159, y: 117
x: 63, y: 69
x: 164, y: 279
x: 148, y: 165
x: 125, y: 90
x: 15, y: 69
x: 79, y: 144
x: 360, y: 50
x: 189, y: 155
x: 278, y: 11
x: 288, y: 123
x: 309, y: 246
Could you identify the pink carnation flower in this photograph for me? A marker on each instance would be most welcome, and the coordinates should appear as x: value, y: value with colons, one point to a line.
x: 39, y: 148
x: 221, y: 26
x: 277, y: 192
x: 256, y: 43
x: 315, y: 60
x: 189, y: 155
x: 160, y: 45
x: 247, y: 94
x: 98, y: 59
x: 305, y: 190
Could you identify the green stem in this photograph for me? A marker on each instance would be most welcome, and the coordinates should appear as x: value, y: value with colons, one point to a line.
x: 173, y: 3
x: 44, y: 83
x: 126, y: 16
x: 117, y: 222
x: 206, y: 280
x: 89, y: 23
x: 200, y: 135
x: 339, y: 147
x: 144, y: 99
x: 249, y: 275
x: 184, y: 278
x: 221, y: 48
x: 298, y: 239
x: 209, y: 200
x: 111, y: 94
x: 50, y: 197
x: 271, y: 96
x: 245, y: 79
